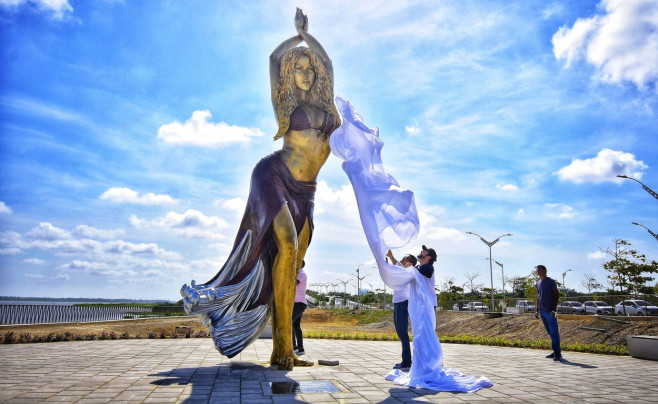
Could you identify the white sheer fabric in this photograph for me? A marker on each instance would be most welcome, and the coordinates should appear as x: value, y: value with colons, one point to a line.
x: 389, y: 218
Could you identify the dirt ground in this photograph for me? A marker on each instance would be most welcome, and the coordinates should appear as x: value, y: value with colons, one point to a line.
x: 582, y: 329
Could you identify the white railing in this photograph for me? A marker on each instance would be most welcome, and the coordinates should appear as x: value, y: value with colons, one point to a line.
x: 35, y: 314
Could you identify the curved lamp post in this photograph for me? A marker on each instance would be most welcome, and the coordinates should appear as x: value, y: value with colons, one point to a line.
x: 344, y: 285
x: 502, y: 270
x: 650, y: 232
x: 490, y: 244
x: 359, y: 279
x: 646, y: 188
x: 563, y: 275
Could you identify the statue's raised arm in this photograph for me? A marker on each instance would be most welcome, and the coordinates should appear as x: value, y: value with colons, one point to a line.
x: 276, y: 61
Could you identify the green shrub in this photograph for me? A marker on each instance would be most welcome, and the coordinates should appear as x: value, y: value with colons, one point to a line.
x: 9, y: 338
x: 24, y: 338
x: 54, y: 337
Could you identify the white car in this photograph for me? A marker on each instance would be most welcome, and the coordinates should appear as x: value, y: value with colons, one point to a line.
x: 598, y: 307
x: 528, y: 305
x: 476, y: 306
x: 571, y: 307
x: 636, y: 308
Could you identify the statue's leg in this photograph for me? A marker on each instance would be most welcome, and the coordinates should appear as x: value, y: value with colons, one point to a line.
x: 302, y: 245
x: 283, y: 285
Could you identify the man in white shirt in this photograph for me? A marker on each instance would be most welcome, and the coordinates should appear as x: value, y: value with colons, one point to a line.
x: 401, y: 311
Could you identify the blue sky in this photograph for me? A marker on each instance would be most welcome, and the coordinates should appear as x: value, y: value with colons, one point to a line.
x: 129, y: 129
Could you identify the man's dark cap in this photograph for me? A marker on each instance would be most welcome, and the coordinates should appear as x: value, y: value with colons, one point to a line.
x: 431, y: 252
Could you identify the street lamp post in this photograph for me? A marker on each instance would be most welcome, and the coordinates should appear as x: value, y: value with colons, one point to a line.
x: 646, y: 188
x: 650, y: 232
x: 490, y: 244
x: 344, y: 285
x: 359, y: 279
x: 502, y: 271
x: 563, y: 275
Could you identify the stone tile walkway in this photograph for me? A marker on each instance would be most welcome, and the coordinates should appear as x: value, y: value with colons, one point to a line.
x: 192, y: 371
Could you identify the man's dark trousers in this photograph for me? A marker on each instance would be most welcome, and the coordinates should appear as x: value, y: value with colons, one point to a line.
x: 401, y: 319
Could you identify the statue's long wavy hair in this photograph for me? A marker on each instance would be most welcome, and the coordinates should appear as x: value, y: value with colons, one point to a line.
x: 288, y: 94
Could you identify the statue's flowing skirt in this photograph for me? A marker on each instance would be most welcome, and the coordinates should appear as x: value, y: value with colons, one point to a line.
x: 236, y: 302
x: 389, y: 218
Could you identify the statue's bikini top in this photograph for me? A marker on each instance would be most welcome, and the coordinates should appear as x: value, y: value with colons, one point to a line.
x: 299, y: 121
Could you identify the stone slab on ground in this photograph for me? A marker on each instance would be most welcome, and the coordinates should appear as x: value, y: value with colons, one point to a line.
x: 192, y: 371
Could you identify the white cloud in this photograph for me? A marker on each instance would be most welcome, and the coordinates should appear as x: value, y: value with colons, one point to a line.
x: 124, y: 247
x: 233, y: 204
x: 34, y: 261
x: 559, y: 211
x: 47, y: 237
x: 621, y: 41
x: 58, y: 8
x: 328, y: 200
x: 507, y: 187
x: 126, y: 195
x: 4, y: 208
x: 48, y: 232
x: 604, y: 167
x: 9, y: 243
x: 598, y: 255
x: 92, y: 232
x: 192, y: 223
x: 198, y: 131
x: 412, y: 130
x: 120, y: 270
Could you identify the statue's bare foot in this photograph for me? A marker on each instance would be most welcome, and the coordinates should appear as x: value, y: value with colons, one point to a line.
x: 300, y: 362
x: 286, y: 363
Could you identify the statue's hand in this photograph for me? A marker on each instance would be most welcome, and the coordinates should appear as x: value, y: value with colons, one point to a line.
x: 301, y: 20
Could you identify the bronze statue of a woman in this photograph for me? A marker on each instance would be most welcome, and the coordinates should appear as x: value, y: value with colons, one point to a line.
x: 258, y: 278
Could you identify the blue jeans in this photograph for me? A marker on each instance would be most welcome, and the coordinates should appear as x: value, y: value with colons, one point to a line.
x: 401, y: 320
x: 550, y: 323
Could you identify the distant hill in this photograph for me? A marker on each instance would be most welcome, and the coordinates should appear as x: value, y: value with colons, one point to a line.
x: 80, y: 299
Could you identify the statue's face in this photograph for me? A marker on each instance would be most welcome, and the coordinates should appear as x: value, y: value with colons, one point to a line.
x: 304, y: 73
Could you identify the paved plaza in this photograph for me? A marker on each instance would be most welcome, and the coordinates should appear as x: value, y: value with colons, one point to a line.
x: 192, y: 371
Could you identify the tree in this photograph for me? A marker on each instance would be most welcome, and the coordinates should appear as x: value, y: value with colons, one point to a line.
x: 446, y: 282
x: 472, y: 285
x: 516, y: 284
x: 590, y: 283
x: 628, y: 268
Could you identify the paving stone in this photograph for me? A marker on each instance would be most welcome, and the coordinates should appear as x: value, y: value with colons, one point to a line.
x: 192, y: 371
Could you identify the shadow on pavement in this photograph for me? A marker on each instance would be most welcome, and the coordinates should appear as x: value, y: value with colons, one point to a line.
x: 204, y: 379
x: 582, y: 365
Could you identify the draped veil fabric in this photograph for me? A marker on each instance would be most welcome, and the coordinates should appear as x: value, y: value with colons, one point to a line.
x: 389, y: 218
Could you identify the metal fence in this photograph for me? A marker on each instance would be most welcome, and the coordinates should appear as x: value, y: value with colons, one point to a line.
x: 36, y: 314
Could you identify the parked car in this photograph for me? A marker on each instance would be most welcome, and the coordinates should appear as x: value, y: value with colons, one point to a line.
x: 476, y: 306
x: 598, y: 307
x: 528, y: 305
x: 571, y: 307
x: 636, y: 308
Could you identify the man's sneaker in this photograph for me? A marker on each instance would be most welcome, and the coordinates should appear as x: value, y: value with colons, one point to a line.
x: 300, y: 351
x: 557, y: 358
x: 552, y: 355
x: 401, y: 366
